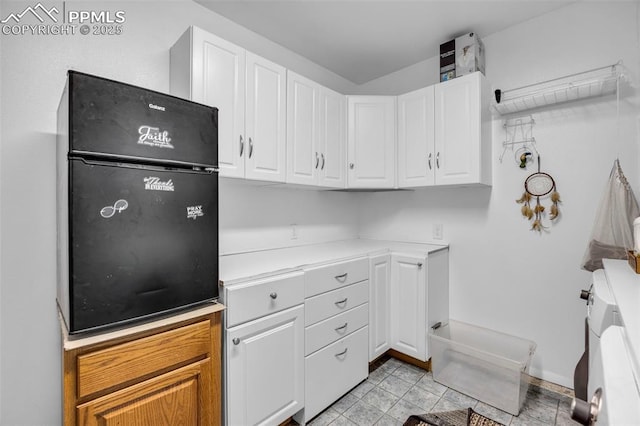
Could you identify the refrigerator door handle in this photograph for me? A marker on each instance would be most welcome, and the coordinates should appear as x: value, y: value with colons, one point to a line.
x: 241, y: 145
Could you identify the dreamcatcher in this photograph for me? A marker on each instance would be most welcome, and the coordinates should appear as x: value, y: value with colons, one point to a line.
x: 539, y: 184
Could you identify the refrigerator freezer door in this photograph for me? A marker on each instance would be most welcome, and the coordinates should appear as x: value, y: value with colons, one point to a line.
x: 109, y: 118
x: 143, y: 241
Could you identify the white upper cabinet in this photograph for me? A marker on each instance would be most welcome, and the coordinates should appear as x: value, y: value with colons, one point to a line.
x: 315, y: 133
x: 463, y: 131
x: 249, y: 93
x: 333, y: 139
x: 265, y: 120
x: 303, y: 157
x: 444, y: 134
x: 371, y: 141
x: 416, y: 150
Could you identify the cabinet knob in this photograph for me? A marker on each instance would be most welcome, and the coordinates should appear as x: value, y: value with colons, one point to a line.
x: 236, y: 341
x: 419, y: 264
x: 438, y: 160
x: 250, y: 147
x: 429, y: 160
x: 351, y: 166
x: 241, y: 145
x: 317, y: 160
x: 322, y: 156
x: 274, y: 295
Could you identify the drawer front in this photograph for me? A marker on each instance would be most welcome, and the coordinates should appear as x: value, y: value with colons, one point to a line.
x: 335, y: 302
x: 128, y: 362
x: 328, y: 331
x: 333, y: 371
x: 256, y: 299
x: 327, y: 278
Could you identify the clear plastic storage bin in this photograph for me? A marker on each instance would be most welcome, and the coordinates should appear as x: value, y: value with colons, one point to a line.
x: 484, y: 364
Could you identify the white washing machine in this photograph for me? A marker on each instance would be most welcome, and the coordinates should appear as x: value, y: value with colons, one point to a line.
x: 601, y: 314
x: 612, y: 394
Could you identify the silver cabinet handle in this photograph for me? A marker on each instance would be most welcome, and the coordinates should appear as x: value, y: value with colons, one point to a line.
x: 419, y: 264
x: 351, y: 166
x: 437, y: 159
x: 317, y: 160
x: 274, y: 295
x: 250, y: 147
x: 341, y: 302
x: 341, y: 277
x: 241, y: 145
x: 342, y: 353
x: 342, y: 327
x: 429, y: 160
x: 322, y: 155
x: 236, y: 341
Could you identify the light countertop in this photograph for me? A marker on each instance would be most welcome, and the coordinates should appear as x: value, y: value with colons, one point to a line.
x: 625, y: 287
x: 241, y: 267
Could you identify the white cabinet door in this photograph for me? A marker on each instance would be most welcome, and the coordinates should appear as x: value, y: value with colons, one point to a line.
x: 462, y: 131
x: 218, y: 79
x: 303, y: 158
x: 265, y: 369
x: 371, y: 141
x: 332, y: 139
x: 379, y: 305
x: 265, y: 120
x: 408, y: 305
x: 416, y: 156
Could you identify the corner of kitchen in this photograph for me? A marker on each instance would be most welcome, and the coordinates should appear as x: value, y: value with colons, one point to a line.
x: 323, y: 213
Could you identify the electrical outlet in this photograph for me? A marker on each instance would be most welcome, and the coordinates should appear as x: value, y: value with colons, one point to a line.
x: 438, y: 231
x: 294, y: 231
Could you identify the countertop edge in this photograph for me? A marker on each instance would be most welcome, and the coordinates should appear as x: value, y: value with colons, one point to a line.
x: 71, y: 343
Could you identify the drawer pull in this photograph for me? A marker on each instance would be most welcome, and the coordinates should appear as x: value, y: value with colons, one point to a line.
x: 341, y: 302
x: 236, y: 341
x: 341, y: 277
x: 274, y: 295
x: 342, y: 327
x: 342, y: 353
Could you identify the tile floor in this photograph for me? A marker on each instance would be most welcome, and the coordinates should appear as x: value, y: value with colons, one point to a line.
x: 396, y: 390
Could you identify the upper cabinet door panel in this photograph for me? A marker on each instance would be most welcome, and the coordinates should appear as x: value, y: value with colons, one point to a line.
x: 218, y: 79
x: 332, y: 138
x: 303, y: 158
x: 458, y: 130
x: 416, y: 156
x: 265, y: 120
x: 371, y: 141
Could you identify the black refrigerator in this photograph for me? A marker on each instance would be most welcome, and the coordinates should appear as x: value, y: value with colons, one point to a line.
x: 137, y: 203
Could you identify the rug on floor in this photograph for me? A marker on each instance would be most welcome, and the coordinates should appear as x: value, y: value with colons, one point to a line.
x: 466, y: 417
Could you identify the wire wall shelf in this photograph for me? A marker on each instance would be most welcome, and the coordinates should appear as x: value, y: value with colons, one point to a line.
x: 597, y: 82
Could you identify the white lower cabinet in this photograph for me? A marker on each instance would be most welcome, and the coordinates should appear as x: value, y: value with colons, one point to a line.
x: 334, y: 370
x: 265, y: 369
x: 379, y: 305
x: 419, y: 299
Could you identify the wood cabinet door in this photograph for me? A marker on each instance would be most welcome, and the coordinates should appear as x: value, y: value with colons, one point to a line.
x: 371, y: 141
x: 416, y: 156
x: 457, y: 130
x: 179, y: 397
x: 303, y: 157
x: 332, y: 139
x: 265, y: 369
x: 218, y: 79
x: 408, y: 305
x: 379, y: 305
x: 265, y: 114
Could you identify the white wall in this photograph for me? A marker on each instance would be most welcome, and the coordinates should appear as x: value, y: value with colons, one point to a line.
x: 33, y: 72
x: 504, y: 276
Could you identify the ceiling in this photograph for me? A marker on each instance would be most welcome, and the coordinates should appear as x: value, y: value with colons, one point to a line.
x: 362, y: 40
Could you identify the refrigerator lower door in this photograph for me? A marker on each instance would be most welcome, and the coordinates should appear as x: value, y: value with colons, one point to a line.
x: 142, y: 241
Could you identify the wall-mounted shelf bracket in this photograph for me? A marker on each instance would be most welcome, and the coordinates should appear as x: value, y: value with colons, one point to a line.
x: 519, y: 133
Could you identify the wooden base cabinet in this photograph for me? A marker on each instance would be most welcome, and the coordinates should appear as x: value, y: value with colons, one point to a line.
x: 168, y: 375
